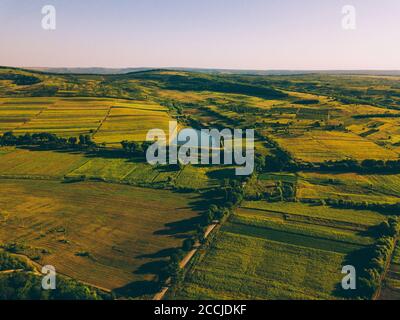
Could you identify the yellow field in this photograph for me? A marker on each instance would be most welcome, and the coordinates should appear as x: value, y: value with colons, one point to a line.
x: 320, y: 146
x: 109, y: 121
x: 132, y: 123
x: 122, y: 230
x: 349, y: 186
x: 18, y: 162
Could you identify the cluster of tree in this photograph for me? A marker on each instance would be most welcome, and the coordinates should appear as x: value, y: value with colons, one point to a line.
x: 176, y: 106
x: 214, y: 213
x: 283, y: 191
x: 231, y: 194
x: 171, y: 269
x: 307, y: 101
x: 388, y: 208
x: 337, y: 127
x: 47, y: 140
x: 365, y: 166
x: 356, y: 100
x: 20, y: 79
x: 8, y: 262
x: 196, y: 82
x: 135, y: 148
x: 338, y: 92
x: 241, y: 108
x: 377, y: 257
x: 25, y: 286
x: 376, y: 115
x: 42, y: 91
x: 279, y: 160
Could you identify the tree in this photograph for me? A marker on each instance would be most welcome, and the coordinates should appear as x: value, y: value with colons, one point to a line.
x: 82, y: 139
x: 27, y: 139
x: 72, y: 141
x: 187, y: 244
x: 88, y: 140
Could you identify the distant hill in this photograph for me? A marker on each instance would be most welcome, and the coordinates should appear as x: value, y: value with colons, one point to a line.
x: 96, y: 70
x: 89, y: 70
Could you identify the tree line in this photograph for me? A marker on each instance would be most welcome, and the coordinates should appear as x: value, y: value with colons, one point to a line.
x: 375, y: 258
x: 225, y: 199
x: 388, y: 208
x: 365, y: 166
x: 26, y: 286
x: 45, y: 139
x: 23, y: 285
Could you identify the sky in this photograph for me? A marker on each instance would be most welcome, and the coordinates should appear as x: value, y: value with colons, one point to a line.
x: 229, y: 34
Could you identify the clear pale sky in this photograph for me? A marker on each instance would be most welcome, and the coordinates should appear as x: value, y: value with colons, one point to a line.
x: 236, y: 34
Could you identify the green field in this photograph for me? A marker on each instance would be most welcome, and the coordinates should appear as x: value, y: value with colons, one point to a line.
x: 24, y: 163
x: 325, y: 229
x: 18, y: 162
x: 303, y: 211
x: 239, y: 266
x: 262, y: 254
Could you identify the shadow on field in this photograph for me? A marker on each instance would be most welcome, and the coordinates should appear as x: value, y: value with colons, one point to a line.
x: 358, y: 259
x: 221, y: 174
x: 372, y: 231
x: 179, y: 229
x: 100, y: 153
x: 138, y: 289
x: 168, y: 168
x: 152, y: 267
x: 202, y: 202
x: 164, y: 253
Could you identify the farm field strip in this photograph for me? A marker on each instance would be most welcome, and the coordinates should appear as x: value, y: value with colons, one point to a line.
x: 24, y: 163
x: 20, y: 162
x: 117, y: 170
x: 287, y: 236
x: 349, y: 186
x: 109, y: 120
x: 14, y: 117
x: 320, y: 146
x: 326, y: 229
x: 348, y: 216
x: 253, y: 254
x: 245, y: 267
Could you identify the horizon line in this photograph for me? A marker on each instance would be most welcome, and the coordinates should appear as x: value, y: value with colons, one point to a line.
x: 203, y: 68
